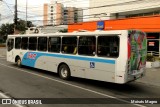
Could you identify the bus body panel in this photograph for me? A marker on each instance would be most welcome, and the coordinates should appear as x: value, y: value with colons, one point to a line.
x: 122, y: 59
x: 79, y: 65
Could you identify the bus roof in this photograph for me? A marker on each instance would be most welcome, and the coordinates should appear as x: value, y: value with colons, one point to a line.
x: 112, y: 32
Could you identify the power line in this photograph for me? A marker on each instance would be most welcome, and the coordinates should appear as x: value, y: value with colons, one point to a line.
x: 8, y: 7
x: 91, y: 8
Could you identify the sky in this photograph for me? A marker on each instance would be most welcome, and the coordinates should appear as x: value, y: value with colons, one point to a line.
x: 34, y: 9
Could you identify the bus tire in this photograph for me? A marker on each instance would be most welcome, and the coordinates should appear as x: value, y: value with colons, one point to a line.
x: 18, y: 62
x: 64, y: 72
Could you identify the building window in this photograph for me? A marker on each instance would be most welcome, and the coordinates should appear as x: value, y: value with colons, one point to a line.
x: 87, y: 45
x: 42, y: 43
x: 18, y: 43
x: 108, y: 46
x: 24, y: 43
x: 54, y: 44
x: 32, y: 43
x: 69, y: 45
x: 51, y: 10
x: 51, y: 6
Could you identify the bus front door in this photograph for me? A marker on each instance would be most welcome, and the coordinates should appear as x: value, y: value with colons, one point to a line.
x: 10, y: 46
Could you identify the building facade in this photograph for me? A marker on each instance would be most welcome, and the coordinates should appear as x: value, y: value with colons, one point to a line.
x: 56, y: 14
x: 114, y: 9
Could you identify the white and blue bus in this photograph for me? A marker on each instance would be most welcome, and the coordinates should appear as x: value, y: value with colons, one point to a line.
x: 117, y: 56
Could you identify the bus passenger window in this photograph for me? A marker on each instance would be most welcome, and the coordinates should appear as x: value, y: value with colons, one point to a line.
x: 32, y: 43
x: 42, y: 44
x: 87, y: 45
x: 108, y: 46
x: 54, y: 44
x: 18, y: 43
x: 69, y: 45
x: 24, y: 43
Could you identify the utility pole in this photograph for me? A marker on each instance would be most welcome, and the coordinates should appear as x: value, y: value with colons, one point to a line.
x: 15, y: 17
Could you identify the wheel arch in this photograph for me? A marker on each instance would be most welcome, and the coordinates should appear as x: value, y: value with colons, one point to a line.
x: 16, y: 58
x: 62, y: 63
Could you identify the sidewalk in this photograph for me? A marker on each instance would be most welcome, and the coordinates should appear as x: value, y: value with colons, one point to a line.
x: 2, y: 51
x: 152, y: 77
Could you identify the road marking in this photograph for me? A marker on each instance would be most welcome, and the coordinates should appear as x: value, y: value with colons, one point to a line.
x: 99, y: 93
x: 5, y: 96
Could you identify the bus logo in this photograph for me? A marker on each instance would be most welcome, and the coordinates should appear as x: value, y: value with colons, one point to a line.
x: 31, y: 55
x: 92, y: 65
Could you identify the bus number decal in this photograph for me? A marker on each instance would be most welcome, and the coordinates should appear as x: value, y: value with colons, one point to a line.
x: 92, y: 65
x: 31, y: 55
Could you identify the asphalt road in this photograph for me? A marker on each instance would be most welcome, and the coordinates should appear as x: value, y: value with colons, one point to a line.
x: 27, y: 82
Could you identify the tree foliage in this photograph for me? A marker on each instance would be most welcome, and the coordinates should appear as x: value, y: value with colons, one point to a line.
x: 21, y: 25
x: 7, y: 29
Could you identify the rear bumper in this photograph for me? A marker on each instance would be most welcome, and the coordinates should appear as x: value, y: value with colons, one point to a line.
x: 136, y: 75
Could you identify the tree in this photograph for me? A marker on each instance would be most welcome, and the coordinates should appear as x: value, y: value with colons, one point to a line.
x: 5, y: 30
x: 21, y: 25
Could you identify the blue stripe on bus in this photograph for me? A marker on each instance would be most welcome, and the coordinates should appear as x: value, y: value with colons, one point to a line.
x: 31, y: 62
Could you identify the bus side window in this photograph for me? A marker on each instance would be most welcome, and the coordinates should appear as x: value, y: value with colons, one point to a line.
x: 69, y: 45
x: 32, y: 43
x: 24, y: 44
x: 87, y: 45
x: 54, y: 44
x: 42, y: 43
x: 108, y: 46
x: 17, y: 42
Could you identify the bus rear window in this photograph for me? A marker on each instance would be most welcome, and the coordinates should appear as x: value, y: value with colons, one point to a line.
x: 108, y: 46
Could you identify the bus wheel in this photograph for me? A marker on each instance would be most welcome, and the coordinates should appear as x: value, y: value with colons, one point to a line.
x: 64, y: 72
x: 18, y: 62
